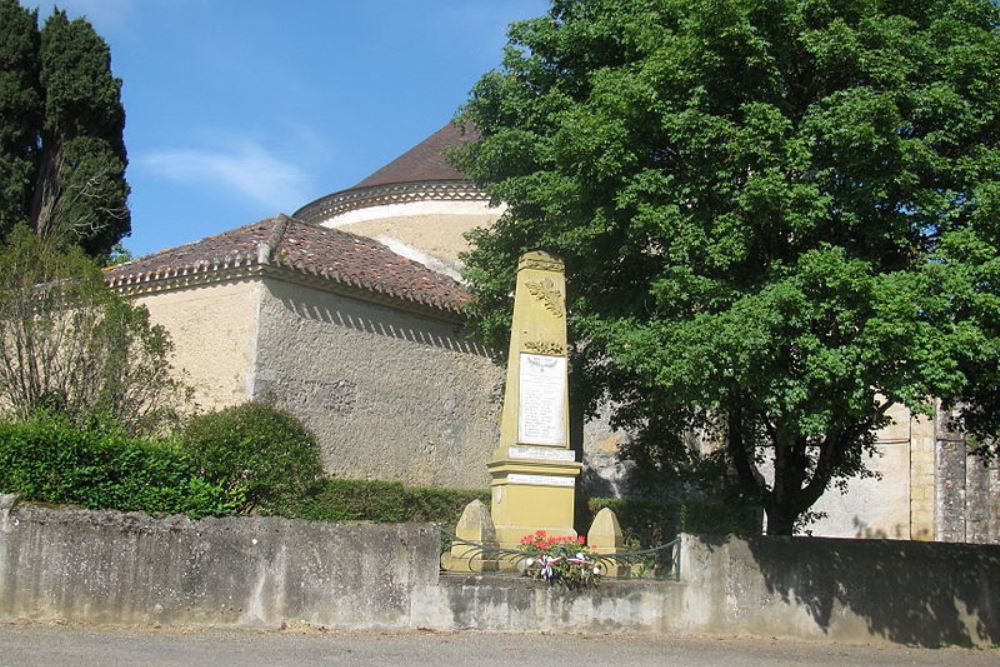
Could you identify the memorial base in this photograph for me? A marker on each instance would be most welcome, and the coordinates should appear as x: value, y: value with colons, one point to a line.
x: 527, y: 497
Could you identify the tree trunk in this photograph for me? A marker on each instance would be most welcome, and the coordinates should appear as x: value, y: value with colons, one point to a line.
x: 46, y: 191
x: 780, y: 520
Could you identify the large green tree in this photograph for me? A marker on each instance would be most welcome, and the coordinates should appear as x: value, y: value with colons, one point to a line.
x: 779, y: 217
x: 62, y: 156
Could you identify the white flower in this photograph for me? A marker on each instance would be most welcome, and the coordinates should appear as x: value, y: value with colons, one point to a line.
x: 529, y: 562
x: 597, y: 569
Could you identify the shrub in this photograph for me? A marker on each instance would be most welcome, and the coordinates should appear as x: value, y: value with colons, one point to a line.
x: 384, y: 502
x: 264, y: 457
x: 48, y: 459
x: 68, y: 343
x: 652, y: 523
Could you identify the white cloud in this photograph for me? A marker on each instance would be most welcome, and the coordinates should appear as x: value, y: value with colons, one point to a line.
x: 103, y: 14
x: 245, y: 167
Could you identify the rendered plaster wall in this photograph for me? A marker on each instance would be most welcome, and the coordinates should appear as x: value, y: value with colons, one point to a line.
x: 429, y: 232
x: 880, y: 506
x: 517, y: 604
x: 109, y: 567
x: 930, y: 487
x: 213, y: 329
x: 390, y: 395
x: 872, y: 507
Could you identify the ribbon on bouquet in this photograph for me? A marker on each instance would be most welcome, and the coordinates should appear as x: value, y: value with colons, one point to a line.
x: 546, y: 563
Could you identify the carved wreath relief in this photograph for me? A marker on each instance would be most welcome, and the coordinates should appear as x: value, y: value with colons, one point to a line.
x: 544, y: 347
x: 545, y: 291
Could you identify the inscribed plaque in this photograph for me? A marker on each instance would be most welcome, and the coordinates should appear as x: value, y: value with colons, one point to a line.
x: 541, y: 400
x: 540, y: 480
x: 542, y: 454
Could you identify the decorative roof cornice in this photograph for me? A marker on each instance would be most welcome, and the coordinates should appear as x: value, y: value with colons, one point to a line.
x: 353, y: 199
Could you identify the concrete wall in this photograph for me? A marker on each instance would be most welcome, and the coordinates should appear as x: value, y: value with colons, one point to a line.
x: 844, y: 590
x: 213, y: 328
x: 108, y: 567
x: 391, y: 395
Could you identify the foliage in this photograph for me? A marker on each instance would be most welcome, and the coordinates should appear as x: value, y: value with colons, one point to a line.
x: 48, y: 459
x: 263, y: 457
x: 62, y: 156
x: 20, y: 111
x: 68, y: 343
x: 383, y: 502
x: 779, y: 218
x: 563, y: 559
x: 652, y: 523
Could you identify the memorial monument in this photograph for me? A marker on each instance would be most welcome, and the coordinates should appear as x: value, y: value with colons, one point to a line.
x: 533, y: 470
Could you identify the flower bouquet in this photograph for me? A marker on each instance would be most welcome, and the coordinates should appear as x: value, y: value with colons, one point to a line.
x: 565, y: 560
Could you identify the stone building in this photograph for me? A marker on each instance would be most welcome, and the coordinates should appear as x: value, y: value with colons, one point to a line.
x: 366, y: 346
x: 348, y: 314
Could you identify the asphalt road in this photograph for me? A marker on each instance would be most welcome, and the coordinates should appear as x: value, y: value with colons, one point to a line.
x: 30, y: 644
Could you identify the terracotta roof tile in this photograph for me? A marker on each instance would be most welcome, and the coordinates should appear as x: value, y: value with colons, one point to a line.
x: 339, y: 256
x: 425, y: 161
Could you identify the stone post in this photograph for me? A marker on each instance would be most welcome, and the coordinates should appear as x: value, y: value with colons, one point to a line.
x: 605, y: 537
x: 475, y: 525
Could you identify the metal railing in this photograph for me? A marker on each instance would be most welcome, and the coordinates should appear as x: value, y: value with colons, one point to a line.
x: 661, y: 562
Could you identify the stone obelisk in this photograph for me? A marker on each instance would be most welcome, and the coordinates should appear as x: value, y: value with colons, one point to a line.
x: 533, y: 470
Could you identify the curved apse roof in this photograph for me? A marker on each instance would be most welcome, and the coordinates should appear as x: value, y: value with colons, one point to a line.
x: 423, y: 162
x: 420, y: 173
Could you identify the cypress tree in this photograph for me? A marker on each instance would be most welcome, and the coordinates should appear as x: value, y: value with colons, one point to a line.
x: 63, y: 164
x: 20, y: 111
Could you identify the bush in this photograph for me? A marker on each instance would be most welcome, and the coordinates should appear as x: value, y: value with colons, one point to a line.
x: 70, y: 344
x: 652, y: 523
x: 263, y: 457
x: 384, y: 502
x: 47, y: 459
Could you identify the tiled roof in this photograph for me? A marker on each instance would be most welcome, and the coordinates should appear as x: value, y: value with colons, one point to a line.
x: 425, y: 161
x: 344, y: 258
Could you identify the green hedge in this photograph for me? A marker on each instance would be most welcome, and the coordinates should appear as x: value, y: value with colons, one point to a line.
x: 652, y: 523
x: 264, y: 457
x: 383, y: 502
x: 47, y: 459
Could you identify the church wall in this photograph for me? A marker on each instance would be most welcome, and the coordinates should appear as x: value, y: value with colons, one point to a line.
x: 872, y: 507
x: 391, y: 395
x: 213, y: 329
x: 931, y: 488
x: 422, y: 231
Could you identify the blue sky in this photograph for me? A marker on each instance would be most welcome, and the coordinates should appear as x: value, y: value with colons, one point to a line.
x: 237, y: 110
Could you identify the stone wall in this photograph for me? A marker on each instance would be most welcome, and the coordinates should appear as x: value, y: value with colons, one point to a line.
x: 391, y: 395
x: 928, y: 487
x: 106, y: 567
x: 967, y: 493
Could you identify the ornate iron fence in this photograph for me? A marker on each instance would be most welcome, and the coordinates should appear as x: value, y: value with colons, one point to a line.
x: 661, y: 562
